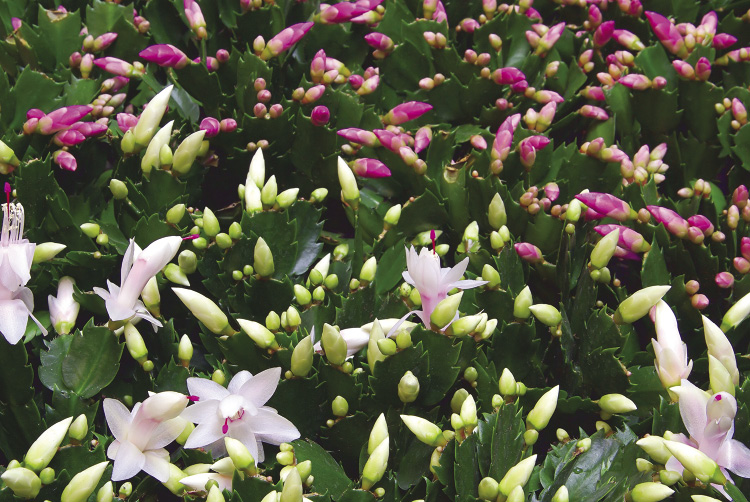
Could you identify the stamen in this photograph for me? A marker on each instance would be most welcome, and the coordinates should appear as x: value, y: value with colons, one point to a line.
x: 8, y: 190
x: 193, y: 398
x: 191, y: 237
x: 225, y: 427
x: 432, y: 236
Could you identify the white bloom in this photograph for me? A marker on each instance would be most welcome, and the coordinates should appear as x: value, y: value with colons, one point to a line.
x: 671, y: 363
x: 138, y: 267
x: 197, y: 482
x: 63, y: 309
x: 357, y: 338
x: 141, y: 435
x: 237, y: 412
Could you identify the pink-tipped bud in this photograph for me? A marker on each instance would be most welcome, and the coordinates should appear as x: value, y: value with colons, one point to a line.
x: 318, y: 67
x: 259, y: 84
x: 703, y: 69
x: 195, y: 18
x: 552, y: 191
x: 370, y: 168
x: 16, y: 23
x: 408, y: 155
x: 260, y: 110
x: 739, y: 111
x: 529, y: 252
x: 379, y: 41
x: 519, y: 87
x: 117, y: 67
x: 528, y: 147
x: 684, y: 69
x: 740, y: 196
x: 593, y: 112
x: 603, y: 33
x: 389, y: 140
x: 222, y: 55
x: 126, y: 121
x: 607, y: 205
x: 723, y: 40
x: 659, y: 83
x: 65, y: 160
x: 595, y: 16
x: 595, y: 93
x: 69, y: 138
x: 628, y: 238
x: 745, y: 247
x: 103, y: 41
x: 468, y: 25
x: 628, y: 40
x: 356, y: 81
x: 702, y: 223
x: 406, y: 112
x: 422, y: 138
x: 341, y: 12
x: 674, y: 223
x: 75, y: 60
x: 208, y: 124
x: 550, y: 38
x: 264, y: 96
x: 369, y: 86
x: 320, y: 115
x: 545, y: 96
x: 313, y: 94
x: 478, y: 142
x: 724, y: 280
x: 228, y: 125
x: 667, y: 33
x: 359, y: 136
x: 62, y: 118
x: 699, y: 301
x: 741, y: 265
x: 635, y: 81
x: 506, y: 76
x: 165, y: 55
x: 90, y: 129
x: 275, y: 111
x: 285, y: 39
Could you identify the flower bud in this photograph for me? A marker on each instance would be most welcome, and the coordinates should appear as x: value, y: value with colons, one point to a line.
x: 446, y: 310
x: 292, y: 490
x: 469, y: 412
x: 507, y: 383
x: 46, y: 251
x: 262, y: 337
x: 339, y: 406
x: 491, y: 275
x: 91, y: 230
x: 605, y: 249
x: 302, y: 295
x: 701, y: 465
x: 466, y: 325
x: 367, y: 273
x: 561, y: 495
x: 616, y: 404
x: 205, y: 310
x: 522, y: 303
x: 286, y: 198
x: 107, y: 492
x: 333, y: 344
x: 79, y: 428
x: 240, y: 455
x: 40, y: 453
x: 387, y: 347
x: 118, y: 188
x: 518, y: 475
x: 655, y: 447
x: 408, y: 388
x: 540, y: 415
x: 215, y: 495
x: 151, y: 297
x: 546, y: 314
x: 187, y: 152
x: 376, y: 465
x: 392, y: 216
x: 83, y: 484
x: 175, y: 274
x: 638, y: 304
x: 153, y: 156
x: 302, y: 357
x: 488, y: 489
x: 210, y: 223
x: 349, y: 189
x: 496, y: 213
x: 175, y: 214
x: 269, y: 191
x: 23, y: 482
x: 736, y: 313
x: 378, y: 434
x: 263, y: 259
x: 293, y: 318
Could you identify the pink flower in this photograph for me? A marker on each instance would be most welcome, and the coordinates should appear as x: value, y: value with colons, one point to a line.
x: 701, y: 222
x: 285, y: 39
x: 370, y: 168
x: 406, y: 112
x: 607, y: 205
x: 676, y: 224
x: 165, y: 55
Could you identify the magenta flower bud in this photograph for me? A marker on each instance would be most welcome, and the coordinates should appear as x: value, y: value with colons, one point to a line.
x: 285, y: 39
x: 635, y: 81
x: 533, y: 39
x: 740, y: 196
x: 259, y: 110
x: 659, y: 83
x: 595, y: 15
x: 369, y: 86
x: 709, y: 22
x: 628, y: 39
x: 359, y: 136
x: 320, y: 115
x: 547, y: 113
x: 505, y: 76
x: 117, y: 67
x: 723, y: 40
x: 65, y: 160
x: 703, y: 69
x: 318, y: 66
x: 69, y: 138
x: 34, y: 113
x: 379, y: 41
x: 607, y: 205
x: 745, y: 247
x: 406, y: 112
x: 667, y: 33
x: 684, y: 69
x: 529, y: 252
x: 552, y: 191
x: 370, y: 168
x: 422, y: 138
x: 126, y: 121
x: 75, y: 60
x: 528, y: 147
x: 356, y: 81
x: 595, y: 93
x: 593, y: 112
x: 533, y: 14
x: 702, y: 223
x: 208, y: 124
x: 440, y: 15
x: 103, y: 41
x: 546, y: 96
x: 211, y: 63
x: 549, y: 39
x: 165, y: 55
x: 90, y: 129
x: 275, y: 111
x: 468, y: 25
x: 658, y: 152
x: 391, y: 141
x: 342, y: 12
x: 741, y: 265
x: 675, y: 223
x: 114, y: 84
x: 16, y: 23
x: 228, y: 125
x: 62, y: 118
x: 628, y: 238
x: 519, y: 87
x: 264, y: 96
x: 504, y: 137
x: 739, y: 111
x: 195, y: 18
x: 313, y: 94
x: 624, y: 254
x: 724, y: 280
x: 478, y: 142
x: 408, y: 155
x: 603, y: 33
x: 222, y: 55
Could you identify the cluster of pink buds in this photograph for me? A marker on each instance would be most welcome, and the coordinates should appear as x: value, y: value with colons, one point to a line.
x: 104, y: 105
x: 631, y: 7
x: 531, y: 202
x: 434, y: 10
x: 699, y: 189
x: 428, y: 83
x: 742, y: 263
x: 646, y: 164
x: 382, y: 44
x: 260, y: 110
x: 346, y: 11
x: 604, y: 205
x: 140, y: 22
x: 598, y: 150
x: 702, y: 70
x: 367, y: 84
x: 540, y: 121
x: 98, y: 44
x: 213, y: 126
x: 739, y: 112
x: 682, y: 39
x: 543, y: 37
x: 699, y: 301
x: 524, y: 7
x: 738, y: 209
x: 435, y: 40
x: 503, y: 142
x: 735, y: 56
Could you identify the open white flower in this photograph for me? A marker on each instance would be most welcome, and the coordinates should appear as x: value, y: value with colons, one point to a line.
x: 357, y: 338
x: 141, y: 434
x: 63, y: 309
x: 197, y: 482
x: 138, y: 267
x: 671, y: 363
x: 237, y: 412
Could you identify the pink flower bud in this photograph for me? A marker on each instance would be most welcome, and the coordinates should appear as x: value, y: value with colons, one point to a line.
x: 684, y: 69
x: 90, y: 129
x: 593, y: 112
x: 675, y: 223
x: 165, y: 55
x: 16, y: 23
x: 222, y: 55
x: 126, y: 121
x: 276, y: 110
x: 699, y: 301
x: 75, y: 60
x: 313, y: 94
x: 114, y: 84
x: 370, y: 168
x: 62, y: 118
x: 356, y: 81
x: 285, y: 39
x: 741, y: 265
x: 369, y: 86
x: 739, y: 196
x: 703, y: 69
x: 478, y: 142
x: 440, y: 15
x: 552, y: 191
x: 117, y: 67
x: 724, y: 280
x: 658, y: 152
x: 528, y: 148
x: 359, y: 136
x: 628, y: 39
x: 659, y: 83
x: 723, y: 40
x: 408, y: 155
x: 69, y: 138
x: 406, y: 112
x: 422, y: 138
x: 595, y: 93
x: 260, y: 110
x: 341, y: 12
x: 195, y: 18
x: 389, y: 140
x: 318, y: 66
x: 208, y: 124
x: 468, y: 25
x: 667, y: 33
x: 529, y: 252
x: 739, y: 111
x: 34, y: 113
x: 545, y: 96
x: 745, y: 247
x: 519, y: 87
x: 702, y: 223
x: 595, y: 15
x: 504, y: 137
x: 607, y: 205
x: 103, y: 41
x: 549, y: 39
x: 228, y: 125
x: 628, y: 238
x: 320, y: 115
x: 65, y: 160
x: 635, y: 81
x: 505, y: 76
x: 624, y: 254
x: 379, y: 41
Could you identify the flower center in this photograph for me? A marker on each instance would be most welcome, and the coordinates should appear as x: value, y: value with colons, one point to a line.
x: 229, y: 420
x: 13, y: 219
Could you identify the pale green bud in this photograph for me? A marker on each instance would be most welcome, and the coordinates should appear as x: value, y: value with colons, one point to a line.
x: 546, y: 314
x: 219, y: 377
x: 240, y: 455
x: 293, y: 318
x: 185, y: 350
x: 373, y: 351
x: 516, y: 495
x: 491, y: 275
x: 292, y: 491
x: 8, y: 156
x: 46, y: 251
x: 655, y: 447
x: 464, y: 326
x: 348, y: 182
x: 471, y: 232
x: 83, y: 484
x: 736, y: 313
x: 318, y: 195
x: 669, y: 477
x: 106, y: 493
x: 456, y: 422
x: 304, y: 469
x: 650, y: 492
x: 643, y: 465
x: 235, y: 230
x: 496, y: 242
x: 151, y: 157
x: 518, y: 475
x: 127, y: 144
x: 273, y: 322
x: 721, y: 380
x: 507, y: 383
x: 703, y: 498
x: 251, y: 195
x: 214, y: 495
x: 135, y: 344
x: 175, y: 214
x: 23, y: 482
x: 316, y: 277
x: 340, y: 251
x: 91, y: 230
x: 102, y: 239
x: 269, y: 191
x: 210, y: 223
x: 561, y: 495
x: 403, y: 340
x: 118, y: 188
x: 489, y: 329
x: 376, y: 464
x: 175, y: 274
x: 378, y: 434
x: 151, y: 296
x: 469, y: 411
x: 172, y: 483
x: 272, y: 496
x: 562, y: 435
x: 697, y: 462
x: 367, y: 274
x: 302, y: 357
x: 540, y: 415
x: 426, y: 431
x: 223, y: 240
x: 392, y: 216
x: 339, y: 406
x: 333, y: 344
x: 504, y: 233
x: 601, y: 425
x: 286, y: 198
x: 446, y: 310
x: 408, y: 387
x: 189, y: 428
x: 415, y: 298
x: 331, y: 281
x: 262, y: 337
x: 639, y: 303
x: 79, y: 428
x: 522, y: 303
x: 458, y: 399
x: 263, y: 259
x: 302, y: 295
x: 165, y: 155
x: 186, y: 153
x: 442, y: 249
x: 323, y: 266
x: 721, y: 348
x: 205, y: 310
x: 387, y: 346
x: 573, y: 213
x: 496, y: 213
x: 530, y: 437
x: 256, y: 173
x: 616, y: 403
x: 605, y: 249
x: 488, y: 489
x: 150, y: 118
x: 187, y: 261
x: 584, y: 444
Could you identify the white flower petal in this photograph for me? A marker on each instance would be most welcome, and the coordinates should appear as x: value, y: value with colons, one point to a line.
x: 238, y: 381
x: 165, y: 433
x: 451, y: 275
x: 272, y: 428
x: 467, y: 284
x: 202, y: 411
x: 259, y: 389
x: 13, y: 318
x: 128, y: 462
x: 693, y: 403
x: 118, y: 418
x: 243, y: 432
x: 735, y: 456
x: 205, y: 388
x: 157, y: 464
x: 205, y: 434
